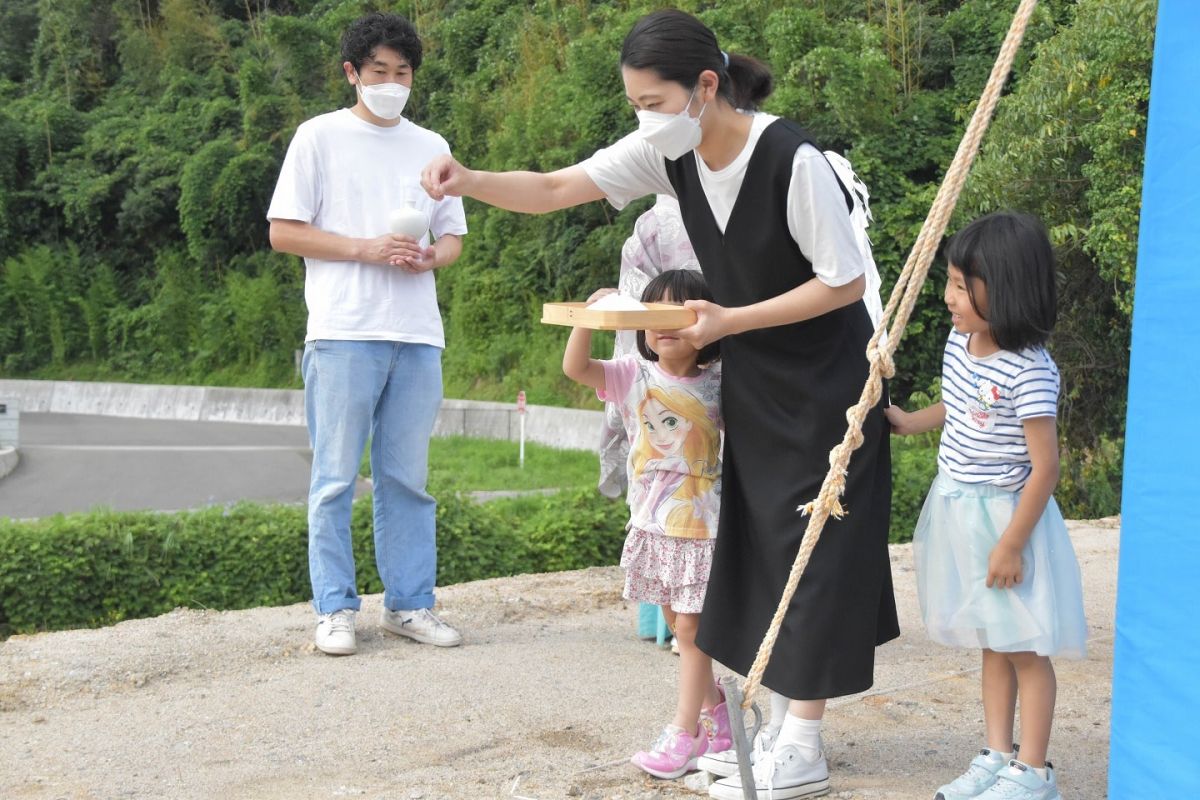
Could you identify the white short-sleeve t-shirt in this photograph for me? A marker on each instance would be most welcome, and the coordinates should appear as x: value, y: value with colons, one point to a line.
x: 816, y: 212
x: 345, y: 175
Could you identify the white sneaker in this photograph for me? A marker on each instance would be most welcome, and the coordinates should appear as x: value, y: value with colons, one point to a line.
x: 420, y: 624
x: 785, y: 775
x: 724, y: 763
x: 978, y: 778
x: 335, y: 633
x: 1018, y: 781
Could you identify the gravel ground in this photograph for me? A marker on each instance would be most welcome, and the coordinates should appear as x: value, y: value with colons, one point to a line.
x: 546, y: 699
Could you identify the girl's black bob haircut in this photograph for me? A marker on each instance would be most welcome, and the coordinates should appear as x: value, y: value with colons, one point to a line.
x: 367, y: 34
x: 1011, y: 254
x: 679, y: 285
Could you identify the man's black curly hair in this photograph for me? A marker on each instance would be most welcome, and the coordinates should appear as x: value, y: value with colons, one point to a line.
x: 368, y: 33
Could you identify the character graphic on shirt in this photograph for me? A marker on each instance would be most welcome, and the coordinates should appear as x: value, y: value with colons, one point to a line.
x: 979, y: 408
x: 673, y: 462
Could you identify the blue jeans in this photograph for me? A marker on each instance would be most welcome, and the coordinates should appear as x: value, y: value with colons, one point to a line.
x: 391, y: 391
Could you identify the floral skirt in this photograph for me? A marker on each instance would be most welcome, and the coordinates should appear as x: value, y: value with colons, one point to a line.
x: 666, y: 570
x: 959, y: 525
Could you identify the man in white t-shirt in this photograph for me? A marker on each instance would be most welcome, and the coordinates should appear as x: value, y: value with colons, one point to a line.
x: 348, y: 200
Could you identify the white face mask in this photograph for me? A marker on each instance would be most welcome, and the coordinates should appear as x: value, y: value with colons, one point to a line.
x: 384, y: 100
x: 672, y: 134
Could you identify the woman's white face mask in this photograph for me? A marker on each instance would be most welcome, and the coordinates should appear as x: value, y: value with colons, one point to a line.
x: 384, y: 100
x: 672, y: 134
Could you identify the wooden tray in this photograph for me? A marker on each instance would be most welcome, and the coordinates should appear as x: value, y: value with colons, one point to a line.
x: 657, y: 317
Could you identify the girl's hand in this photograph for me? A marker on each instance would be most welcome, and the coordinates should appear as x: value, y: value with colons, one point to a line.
x: 908, y: 423
x: 898, y: 418
x: 712, y: 323
x: 596, y: 295
x: 443, y: 176
x: 1004, y: 566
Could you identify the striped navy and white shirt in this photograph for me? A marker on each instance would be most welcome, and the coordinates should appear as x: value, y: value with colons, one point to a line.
x: 986, y: 399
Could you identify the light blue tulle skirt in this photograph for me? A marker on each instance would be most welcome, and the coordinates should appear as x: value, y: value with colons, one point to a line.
x: 959, y: 525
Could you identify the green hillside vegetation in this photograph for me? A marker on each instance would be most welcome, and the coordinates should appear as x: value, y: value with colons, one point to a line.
x: 140, y: 141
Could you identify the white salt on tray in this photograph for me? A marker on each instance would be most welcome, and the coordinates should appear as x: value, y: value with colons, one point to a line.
x: 616, y: 302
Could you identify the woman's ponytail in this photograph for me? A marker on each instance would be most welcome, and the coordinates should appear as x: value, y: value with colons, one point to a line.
x: 751, y: 81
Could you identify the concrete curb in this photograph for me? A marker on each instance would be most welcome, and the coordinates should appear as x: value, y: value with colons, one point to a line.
x: 555, y: 427
x: 488, y: 495
x: 9, y: 457
x: 150, y: 401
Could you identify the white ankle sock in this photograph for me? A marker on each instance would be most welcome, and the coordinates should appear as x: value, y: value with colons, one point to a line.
x: 779, y: 707
x: 1041, y: 773
x: 1006, y: 756
x: 803, y: 733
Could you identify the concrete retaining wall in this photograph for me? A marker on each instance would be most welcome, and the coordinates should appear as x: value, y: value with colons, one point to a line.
x: 149, y: 401
x: 556, y: 427
x: 571, y: 428
x: 8, y: 460
x: 10, y: 424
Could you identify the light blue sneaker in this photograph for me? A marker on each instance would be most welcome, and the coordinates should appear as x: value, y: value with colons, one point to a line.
x: 1018, y: 781
x: 978, y: 778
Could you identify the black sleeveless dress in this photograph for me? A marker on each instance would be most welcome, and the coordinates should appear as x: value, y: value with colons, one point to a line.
x: 784, y: 394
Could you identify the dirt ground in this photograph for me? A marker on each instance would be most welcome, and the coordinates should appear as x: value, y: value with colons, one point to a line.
x: 548, y: 697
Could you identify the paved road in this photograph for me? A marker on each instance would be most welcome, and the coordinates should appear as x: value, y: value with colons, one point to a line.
x: 74, y: 462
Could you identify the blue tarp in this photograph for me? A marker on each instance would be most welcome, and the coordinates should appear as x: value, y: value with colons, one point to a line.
x: 1156, y: 667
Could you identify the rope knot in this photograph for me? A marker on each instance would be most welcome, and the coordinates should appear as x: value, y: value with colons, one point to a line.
x: 856, y: 437
x: 834, y: 507
x: 887, y: 366
x: 838, y: 457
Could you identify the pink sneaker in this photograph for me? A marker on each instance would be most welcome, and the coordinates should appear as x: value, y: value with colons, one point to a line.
x: 715, y: 723
x: 673, y: 754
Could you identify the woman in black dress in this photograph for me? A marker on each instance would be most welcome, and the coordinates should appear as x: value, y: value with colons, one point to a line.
x: 770, y: 224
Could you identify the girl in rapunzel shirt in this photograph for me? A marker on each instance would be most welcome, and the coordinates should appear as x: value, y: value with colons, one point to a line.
x: 670, y: 405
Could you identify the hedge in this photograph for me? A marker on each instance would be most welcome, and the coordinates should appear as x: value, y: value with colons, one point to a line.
x: 99, y: 568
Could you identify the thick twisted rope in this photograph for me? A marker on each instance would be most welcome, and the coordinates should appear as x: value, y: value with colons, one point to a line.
x: 898, y: 310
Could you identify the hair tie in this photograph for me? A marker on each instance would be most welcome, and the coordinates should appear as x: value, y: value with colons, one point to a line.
x: 725, y: 56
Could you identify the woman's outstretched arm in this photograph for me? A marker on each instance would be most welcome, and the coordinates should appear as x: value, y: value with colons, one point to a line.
x: 525, y: 192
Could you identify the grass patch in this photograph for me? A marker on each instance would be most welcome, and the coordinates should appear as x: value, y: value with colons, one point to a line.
x: 491, y: 465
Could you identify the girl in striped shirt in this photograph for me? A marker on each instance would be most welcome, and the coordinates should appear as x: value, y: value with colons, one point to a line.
x: 995, y: 566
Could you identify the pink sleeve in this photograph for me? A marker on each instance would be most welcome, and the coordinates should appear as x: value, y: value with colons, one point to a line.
x: 618, y: 378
